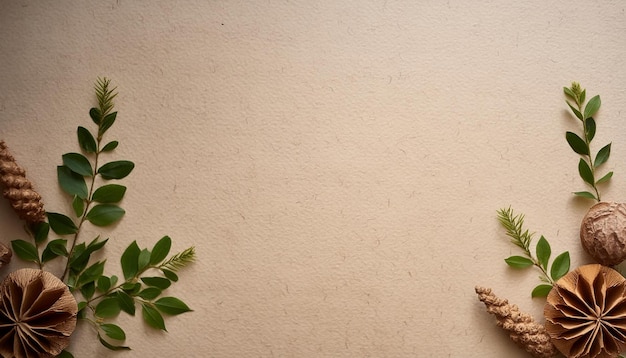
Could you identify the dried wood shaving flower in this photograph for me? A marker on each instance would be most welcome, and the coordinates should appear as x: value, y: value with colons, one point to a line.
x: 586, y: 313
x: 18, y: 190
x: 603, y: 233
x: 37, y: 314
x: 521, y: 327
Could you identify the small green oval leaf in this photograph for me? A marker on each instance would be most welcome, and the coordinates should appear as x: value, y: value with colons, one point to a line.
x: 108, y: 307
x: 61, y: 224
x: 112, y: 346
x: 41, y: 231
x: 71, y: 182
x: 25, y: 250
x: 149, y: 293
x: 113, y: 331
x: 78, y: 205
x: 110, y: 193
x: 127, y: 303
x: 161, y: 250
x: 110, y: 146
x: 541, y: 291
x: 605, y: 178
x: 158, y: 282
x: 95, y: 115
x: 116, y: 170
x: 543, y: 252
x: 590, y: 125
x: 603, y: 155
x: 576, y: 143
x: 518, y: 262
x: 592, y: 106
x: 152, y: 317
x: 86, y: 140
x: 78, y: 164
x: 560, y: 266
x: 171, y: 305
x: 585, y: 172
x: 129, y: 260
x: 585, y: 194
x: 104, y: 214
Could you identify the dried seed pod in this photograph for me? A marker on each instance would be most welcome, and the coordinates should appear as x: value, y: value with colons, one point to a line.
x: 5, y: 255
x: 37, y: 314
x: 18, y: 190
x: 521, y: 327
x: 586, y: 313
x: 603, y: 233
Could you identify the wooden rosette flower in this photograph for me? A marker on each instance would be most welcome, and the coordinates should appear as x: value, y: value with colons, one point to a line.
x: 37, y: 314
x: 586, y: 313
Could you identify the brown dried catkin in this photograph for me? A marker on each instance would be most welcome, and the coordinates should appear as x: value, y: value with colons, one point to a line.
x: 18, y: 189
x: 521, y: 327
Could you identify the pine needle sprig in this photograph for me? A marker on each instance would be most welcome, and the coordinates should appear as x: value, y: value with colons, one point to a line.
x: 514, y: 225
x: 180, y: 259
x: 105, y: 96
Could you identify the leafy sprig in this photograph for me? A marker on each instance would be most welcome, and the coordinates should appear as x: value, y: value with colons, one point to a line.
x: 147, y: 273
x: 581, y: 144
x: 521, y: 237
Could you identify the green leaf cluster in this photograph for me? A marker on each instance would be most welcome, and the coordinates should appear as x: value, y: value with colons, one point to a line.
x: 514, y: 226
x: 91, y: 182
x: 147, y: 275
x: 581, y: 144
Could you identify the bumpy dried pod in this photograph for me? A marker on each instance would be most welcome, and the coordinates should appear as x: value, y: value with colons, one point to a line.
x: 586, y: 313
x: 37, y: 314
x: 18, y: 190
x: 522, y: 329
x: 603, y: 233
x: 5, y: 255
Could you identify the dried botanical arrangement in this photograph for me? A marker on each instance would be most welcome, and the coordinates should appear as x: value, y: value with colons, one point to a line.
x: 39, y: 310
x: 585, y: 309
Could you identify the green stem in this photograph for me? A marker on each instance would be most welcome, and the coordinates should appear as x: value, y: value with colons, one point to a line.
x: 589, y: 158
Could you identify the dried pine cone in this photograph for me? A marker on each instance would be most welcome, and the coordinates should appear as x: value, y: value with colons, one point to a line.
x: 37, y: 314
x: 603, y: 233
x: 521, y: 327
x: 586, y: 313
x: 18, y: 190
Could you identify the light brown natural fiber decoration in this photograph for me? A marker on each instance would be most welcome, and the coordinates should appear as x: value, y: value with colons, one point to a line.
x: 37, y: 314
x: 603, y: 233
x: 18, y: 190
x: 521, y: 327
x: 586, y: 313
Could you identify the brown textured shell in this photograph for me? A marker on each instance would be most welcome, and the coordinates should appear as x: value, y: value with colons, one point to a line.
x: 603, y: 233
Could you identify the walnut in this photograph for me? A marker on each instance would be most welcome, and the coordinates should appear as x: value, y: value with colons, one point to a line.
x: 603, y: 233
x: 586, y: 313
x: 37, y: 314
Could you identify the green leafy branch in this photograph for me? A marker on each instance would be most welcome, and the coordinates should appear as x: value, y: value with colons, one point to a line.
x: 587, y: 165
x: 103, y: 297
x: 514, y: 226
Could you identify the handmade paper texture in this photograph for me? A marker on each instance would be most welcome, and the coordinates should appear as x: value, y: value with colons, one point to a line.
x: 338, y: 165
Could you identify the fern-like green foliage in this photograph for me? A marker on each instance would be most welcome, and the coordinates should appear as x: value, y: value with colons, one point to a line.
x: 96, y: 194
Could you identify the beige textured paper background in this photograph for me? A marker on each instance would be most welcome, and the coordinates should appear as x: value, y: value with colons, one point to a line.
x: 338, y: 165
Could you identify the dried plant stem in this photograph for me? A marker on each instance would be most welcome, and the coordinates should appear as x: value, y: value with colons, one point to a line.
x: 522, y: 328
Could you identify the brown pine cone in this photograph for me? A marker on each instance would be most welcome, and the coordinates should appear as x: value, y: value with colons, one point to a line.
x: 521, y: 327
x: 18, y: 190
